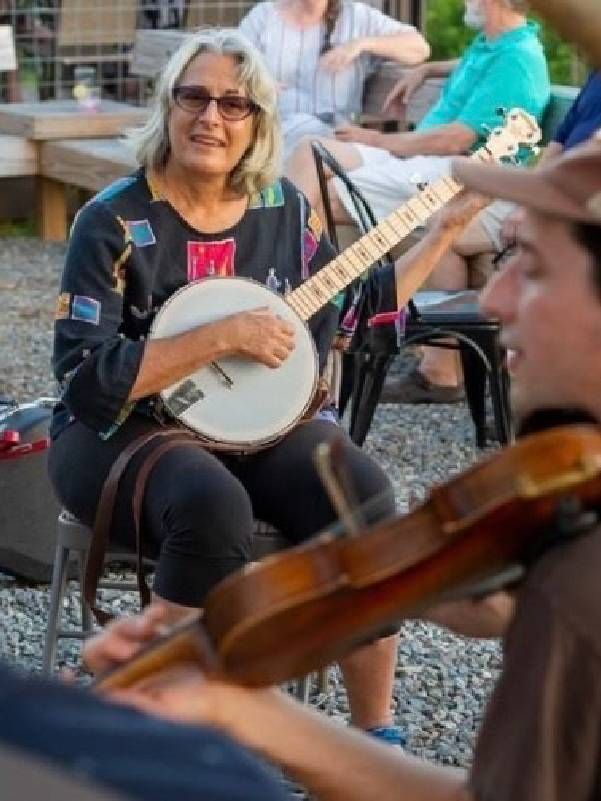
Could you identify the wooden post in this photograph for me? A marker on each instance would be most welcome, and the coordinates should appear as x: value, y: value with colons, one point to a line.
x: 52, y: 211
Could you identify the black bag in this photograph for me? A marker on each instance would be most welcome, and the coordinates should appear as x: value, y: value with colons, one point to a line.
x: 28, y: 508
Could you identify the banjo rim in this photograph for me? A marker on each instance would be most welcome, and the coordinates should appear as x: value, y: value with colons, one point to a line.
x: 240, y: 446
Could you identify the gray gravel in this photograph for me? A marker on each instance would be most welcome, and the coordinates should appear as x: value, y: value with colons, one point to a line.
x: 442, y: 681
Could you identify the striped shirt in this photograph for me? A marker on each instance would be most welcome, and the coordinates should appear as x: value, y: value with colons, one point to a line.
x: 293, y: 54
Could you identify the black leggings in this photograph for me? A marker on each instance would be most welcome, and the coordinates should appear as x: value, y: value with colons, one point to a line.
x: 199, y: 508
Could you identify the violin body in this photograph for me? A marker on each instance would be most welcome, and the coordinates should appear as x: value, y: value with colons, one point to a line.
x: 312, y: 604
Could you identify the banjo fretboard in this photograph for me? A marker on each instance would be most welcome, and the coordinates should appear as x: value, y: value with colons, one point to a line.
x: 322, y: 287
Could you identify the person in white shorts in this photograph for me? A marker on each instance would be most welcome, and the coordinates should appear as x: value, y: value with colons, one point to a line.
x: 504, y: 67
x: 438, y: 377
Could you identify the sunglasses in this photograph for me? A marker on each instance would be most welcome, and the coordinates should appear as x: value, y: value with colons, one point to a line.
x: 196, y: 100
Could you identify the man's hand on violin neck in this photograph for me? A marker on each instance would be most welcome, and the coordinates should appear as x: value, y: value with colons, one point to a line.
x: 488, y: 617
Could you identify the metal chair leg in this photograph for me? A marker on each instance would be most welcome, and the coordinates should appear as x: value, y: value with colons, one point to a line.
x: 323, y: 680
x: 474, y: 372
x: 87, y: 625
x: 370, y: 374
x: 302, y: 689
x: 57, y: 593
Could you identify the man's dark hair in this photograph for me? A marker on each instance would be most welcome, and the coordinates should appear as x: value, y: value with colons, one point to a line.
x: 589, y: 236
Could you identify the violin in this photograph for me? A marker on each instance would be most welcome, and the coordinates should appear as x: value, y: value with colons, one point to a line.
x: 308, y: 606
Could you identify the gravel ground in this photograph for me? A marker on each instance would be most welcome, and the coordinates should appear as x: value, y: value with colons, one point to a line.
x: 442, y: 681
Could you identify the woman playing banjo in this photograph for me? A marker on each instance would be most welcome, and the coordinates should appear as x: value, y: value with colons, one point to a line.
x: 206, y: 201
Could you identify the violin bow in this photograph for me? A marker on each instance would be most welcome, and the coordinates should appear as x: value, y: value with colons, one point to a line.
x: 336, y: 479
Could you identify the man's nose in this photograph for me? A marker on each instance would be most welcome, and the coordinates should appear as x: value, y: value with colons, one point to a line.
x: 497, y: 298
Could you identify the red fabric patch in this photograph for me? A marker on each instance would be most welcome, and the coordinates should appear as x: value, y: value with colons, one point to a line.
x: 211, y: 258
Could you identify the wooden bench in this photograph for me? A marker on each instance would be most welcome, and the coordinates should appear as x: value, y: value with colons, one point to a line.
x: 28, y: 127
x: 18, y: 168
x: 89, y: 164
x: 18, y: 157
x: 92, y: 164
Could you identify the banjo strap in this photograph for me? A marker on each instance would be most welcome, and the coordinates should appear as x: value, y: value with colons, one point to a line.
x: 104, y: 514
x: 167, y: 438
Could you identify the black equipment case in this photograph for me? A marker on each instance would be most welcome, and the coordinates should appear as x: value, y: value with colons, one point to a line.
x: 28, y: 508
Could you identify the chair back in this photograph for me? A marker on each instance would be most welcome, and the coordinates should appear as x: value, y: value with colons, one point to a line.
x: 562, y: 98
x: 206, y: 13
x: 209, y: 13
x: 84, y: 23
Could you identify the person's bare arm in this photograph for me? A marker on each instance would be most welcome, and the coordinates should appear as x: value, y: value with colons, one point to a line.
x: 405, y: 47
x: 413, y: 267
x: 258, y: 335
x: 441, y: 69
x: 452, y: 139
x: 487, y: 618
x: 333, y: 762
x: 552, y: 151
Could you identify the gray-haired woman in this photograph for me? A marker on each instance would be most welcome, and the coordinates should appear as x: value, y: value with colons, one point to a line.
x: 205, y: 201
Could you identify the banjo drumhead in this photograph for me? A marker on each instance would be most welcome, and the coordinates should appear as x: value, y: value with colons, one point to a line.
x: 262, y: 403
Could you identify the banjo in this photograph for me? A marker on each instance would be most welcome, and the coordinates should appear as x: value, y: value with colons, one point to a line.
x: 240, y: 405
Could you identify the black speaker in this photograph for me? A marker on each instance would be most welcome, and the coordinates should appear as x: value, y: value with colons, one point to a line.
x: 28, y: 508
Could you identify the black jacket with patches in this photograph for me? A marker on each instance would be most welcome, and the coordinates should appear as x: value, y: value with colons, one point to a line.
x: 129, y: 251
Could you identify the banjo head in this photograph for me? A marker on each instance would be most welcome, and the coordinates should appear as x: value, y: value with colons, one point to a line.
x: 262, y: 403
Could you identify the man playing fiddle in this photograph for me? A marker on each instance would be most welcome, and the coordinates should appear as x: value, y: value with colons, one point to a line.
x: 541, y: 737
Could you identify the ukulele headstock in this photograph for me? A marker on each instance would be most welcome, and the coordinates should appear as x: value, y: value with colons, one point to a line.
x: 519, y: 130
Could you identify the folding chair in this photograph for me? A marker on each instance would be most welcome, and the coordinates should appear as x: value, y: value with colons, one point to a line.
x: 457, y: 316
x: 73, y: 544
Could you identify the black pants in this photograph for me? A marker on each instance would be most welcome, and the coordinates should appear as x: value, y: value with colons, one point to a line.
x: 199, y: 508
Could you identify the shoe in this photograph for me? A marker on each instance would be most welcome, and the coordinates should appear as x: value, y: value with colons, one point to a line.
x: 416, y: 388
x: 392, y: 735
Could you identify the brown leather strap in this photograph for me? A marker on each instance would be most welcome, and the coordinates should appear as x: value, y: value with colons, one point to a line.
x: 138, y: 497
x: 104, y: 516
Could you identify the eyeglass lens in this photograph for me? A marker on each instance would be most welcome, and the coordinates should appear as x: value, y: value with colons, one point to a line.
x: 196, y: 99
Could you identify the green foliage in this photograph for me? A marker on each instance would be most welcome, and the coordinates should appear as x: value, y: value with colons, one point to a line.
x: 17, y: 228
x: 449, y: 37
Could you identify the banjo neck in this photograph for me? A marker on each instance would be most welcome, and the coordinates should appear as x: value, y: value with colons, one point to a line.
x: 317, y: 291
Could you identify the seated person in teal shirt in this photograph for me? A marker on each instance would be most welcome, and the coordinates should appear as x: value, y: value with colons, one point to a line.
x: 504, y: 67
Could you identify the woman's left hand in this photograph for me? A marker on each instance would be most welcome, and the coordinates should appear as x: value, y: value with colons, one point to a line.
x: 459, y: 212
x: 354, y: 133
x: 342, y: 56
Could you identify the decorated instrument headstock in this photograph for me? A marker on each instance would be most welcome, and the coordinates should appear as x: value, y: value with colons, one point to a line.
x: 520, y: 130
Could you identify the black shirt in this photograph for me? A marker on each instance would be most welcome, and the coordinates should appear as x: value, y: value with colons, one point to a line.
x: 129, y: 251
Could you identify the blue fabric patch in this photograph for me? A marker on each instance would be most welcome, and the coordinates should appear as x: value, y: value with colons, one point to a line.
x: 141, y: 233
x: 118, y: 186
x: 272, y: 197
x: 86, y: 310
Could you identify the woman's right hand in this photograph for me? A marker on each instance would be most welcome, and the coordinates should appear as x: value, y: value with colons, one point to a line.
x: 404, y: 89
x: 260, y: 335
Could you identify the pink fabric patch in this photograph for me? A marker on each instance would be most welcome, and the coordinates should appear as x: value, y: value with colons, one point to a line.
x: 310, y: 245
x: 211, y: 258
